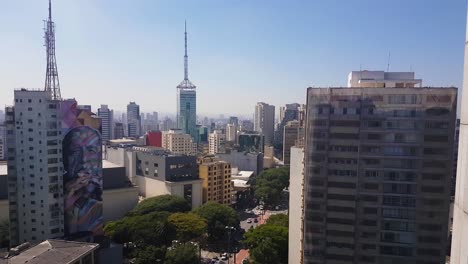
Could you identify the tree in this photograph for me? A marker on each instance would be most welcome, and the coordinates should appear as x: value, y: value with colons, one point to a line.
x: 150, y: 255
x: 182, y: 254
x: 269, y: 195
x: 167, y: 203
x: 279, y: 220
x: 276, y: 235
x: 218, y: 216
x: 4, y: 234
x: 188, y: 226
x: 265, y: 253
x: 270, y: 184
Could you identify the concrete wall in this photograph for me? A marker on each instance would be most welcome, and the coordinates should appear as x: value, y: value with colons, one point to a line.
x: 118, y: 202
x: 295, y: 205
x: 4, y: 213
x: 177, y: 188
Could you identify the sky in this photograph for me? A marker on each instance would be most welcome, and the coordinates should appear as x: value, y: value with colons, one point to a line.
x: 240, y: 52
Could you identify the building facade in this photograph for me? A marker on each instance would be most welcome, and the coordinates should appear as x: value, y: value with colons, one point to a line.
x: 377, y: 174
x: 216, y: 142
x: 177, y: 142
x: 251, y: 142
x: 290, y: 135
x: 296, y: 205
x: 119, y: 131
x: 264, y: 121
x: 107, y: 120
x: 133, y: 120
x: 231, y: 133
x: 2, y: 141
x: 216, y: 175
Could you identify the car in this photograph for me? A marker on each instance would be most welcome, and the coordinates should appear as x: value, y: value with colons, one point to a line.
x: 255, y: 220
x: 224, y: 256
x: 249, y: 220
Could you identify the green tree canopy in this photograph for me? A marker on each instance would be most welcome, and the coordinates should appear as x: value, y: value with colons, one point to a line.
x: 150, y: 255
x: 279, y: 220
x: 167, y: 203
x: 276, y: 235
x: 182, y: 254
x: 265, y: 252
x: 270, y: 183
x: 218, y: 216
x: 188, y: 226
x: 149, y: 229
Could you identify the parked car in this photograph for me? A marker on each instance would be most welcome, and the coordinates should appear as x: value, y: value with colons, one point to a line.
x: 224, y: 256
x: 249, y: 220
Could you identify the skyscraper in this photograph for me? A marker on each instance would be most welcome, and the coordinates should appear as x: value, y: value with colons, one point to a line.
x: 133, y: 120
x: 378, y: 162
x: 107, y: 122
x: 118, y: 130
x: 187, y: 101
x: 264, y: 122
x: 290, y: 134
x: 2, y: 141
x: 216, y: 142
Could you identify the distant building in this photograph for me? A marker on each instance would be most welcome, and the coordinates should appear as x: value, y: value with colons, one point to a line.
x: 290, y: 136
x: 216, y: 142
x: 216, y: 177
x: 231, y: 133
x: 107, y: 119
x: 133, y: 120
x: 154, y: 138
x: 264, y: 122
x: 178, y: 142
x: 288, y: 113
x: 244, y: 161
x: 119, y: 130
x: 247, y: 126
x: 2, y: 141
x: 168, y: 124
x: 84, y: 107
x: 203, y: 134
x: 269, y: 157
x: 251, y: 142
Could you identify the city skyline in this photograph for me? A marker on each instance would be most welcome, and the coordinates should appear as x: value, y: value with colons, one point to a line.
x: 260, y: 51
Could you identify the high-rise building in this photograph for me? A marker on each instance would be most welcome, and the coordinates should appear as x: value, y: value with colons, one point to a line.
x: 296, y: 210
x: 251, y: 142
x: 247, y: 126
x: 216, y: 142
x: 231, y: 133
x: 377, y: 172
x: 107, y: 120
x: 187, y: 101
x: 133, y: 120
x: 216, y: 175
x: 288, y: 113
x: 203, y: 134
x: 459, y: 254
x: 2, y: 141
x: 167, y: 124
x: 264, y: 122
x: 84, y: 107
x: 290, y: 135
x: 176, y: 141
x: 119, y: 131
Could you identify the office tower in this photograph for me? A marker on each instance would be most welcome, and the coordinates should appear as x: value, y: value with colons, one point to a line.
x: 133, y: 120
x: 203, y: 134
x: 264, y: 122
x: 289, y: 113
x: 167, y: 124
x: 377, y: 172
x: 216, y: 175
x: 296, y: 213
x: 251, y: 142
x: 187, y: 101
x: 459, y: 254
x: 176, y: 141
x: 290, y: 135
x: 119, y: 130
x: 216, y: 142
x: 247, y: 126
x: 2, y: 141
x: 234, y: 120
x: 107, y: 120
x: 231, y: 133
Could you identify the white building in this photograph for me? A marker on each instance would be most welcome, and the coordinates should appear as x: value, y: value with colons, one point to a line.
x: 35, y: 167
x: 380, y: 79
x: 133, y: 120
x: 107, y: 120
x: 216, y: 141
x: 296, y: 209
x: 264, y: 122
x: 177, y: 142
x: 231, y: 132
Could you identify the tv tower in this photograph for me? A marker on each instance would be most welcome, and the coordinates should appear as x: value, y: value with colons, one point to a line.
x: 52, y: 83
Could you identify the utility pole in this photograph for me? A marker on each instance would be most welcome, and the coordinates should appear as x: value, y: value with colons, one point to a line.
x: 229, y: 230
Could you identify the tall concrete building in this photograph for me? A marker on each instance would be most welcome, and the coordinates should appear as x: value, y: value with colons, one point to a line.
x: 119, y: 131
x: 251, y: 142
x: 216, y: 175
x: 35, y: 167
x: 2, y: 141
x: 377, y: 173
x: 231, y: 133
x: 187, y: 101
x: 288, y: 113
x: 178, y: 142
x: 296, y: 205
x: 246, y: 126
x: 459, y: 254
x: 216, y: 142
x: 107, y: 122
x: 133, y: 120
x: 264, y: 122
x: 290, y: 135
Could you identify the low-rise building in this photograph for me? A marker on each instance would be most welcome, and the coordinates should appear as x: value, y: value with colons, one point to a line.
x: 246, y: 161
x: 178, y: 142
x: 216, y: 175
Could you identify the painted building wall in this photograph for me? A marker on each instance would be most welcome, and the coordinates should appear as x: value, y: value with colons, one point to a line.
x: 119, y: 202
x: 295, y: 205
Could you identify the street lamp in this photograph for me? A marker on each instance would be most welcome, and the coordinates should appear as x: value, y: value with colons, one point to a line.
x: 229, y: 230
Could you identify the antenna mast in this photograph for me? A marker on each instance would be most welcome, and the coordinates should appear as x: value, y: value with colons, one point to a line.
x: 52, y: 84
x: 388, y: 62
x: 185, y: 57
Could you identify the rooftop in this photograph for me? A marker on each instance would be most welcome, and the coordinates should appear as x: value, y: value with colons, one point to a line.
x: 53, y: 252
x: 109, y: 165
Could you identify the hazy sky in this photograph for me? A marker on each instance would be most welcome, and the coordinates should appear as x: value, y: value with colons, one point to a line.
x: 240, y: 52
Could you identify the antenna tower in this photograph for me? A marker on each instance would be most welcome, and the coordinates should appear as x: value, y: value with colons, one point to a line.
x: 52, y: 84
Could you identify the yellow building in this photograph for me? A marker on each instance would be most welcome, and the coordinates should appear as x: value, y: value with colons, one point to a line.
x: 216, y: 175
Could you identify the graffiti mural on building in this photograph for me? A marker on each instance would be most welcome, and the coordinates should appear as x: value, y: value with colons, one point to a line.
x: 82, y: 162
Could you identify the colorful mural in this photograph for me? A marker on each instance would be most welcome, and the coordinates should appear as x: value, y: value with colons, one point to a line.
x: 82, y: 160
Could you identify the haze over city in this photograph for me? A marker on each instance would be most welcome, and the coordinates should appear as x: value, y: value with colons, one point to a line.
x: 114, y: 52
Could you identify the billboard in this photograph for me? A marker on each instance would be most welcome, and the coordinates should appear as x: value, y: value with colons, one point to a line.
x: 82, y: 161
